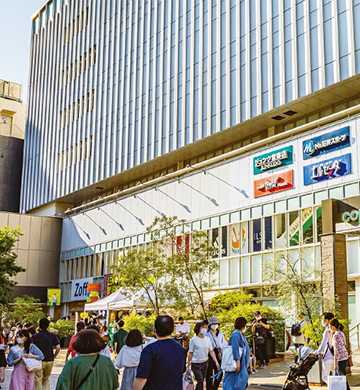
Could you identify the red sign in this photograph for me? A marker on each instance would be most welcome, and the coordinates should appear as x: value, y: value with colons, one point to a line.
x: 275, y: 183
x: 93, y: 292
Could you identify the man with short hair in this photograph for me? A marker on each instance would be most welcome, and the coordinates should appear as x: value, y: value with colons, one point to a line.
x: 119, y: 337
x: 326, y: 348
x: 260, y: 327
x: 46, y: 342
x: 183, y: 328
x: 297, y: 334
x: 162, y: 363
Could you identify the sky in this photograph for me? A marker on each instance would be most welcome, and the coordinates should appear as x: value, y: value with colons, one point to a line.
x: 15, y: 35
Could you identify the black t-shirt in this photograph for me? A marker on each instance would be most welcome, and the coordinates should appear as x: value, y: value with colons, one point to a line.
x: 46, y: 342
x: 260, y: 330
x: 162, y: 363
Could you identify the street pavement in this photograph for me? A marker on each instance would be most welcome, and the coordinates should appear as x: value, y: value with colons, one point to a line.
x: 270, y: 378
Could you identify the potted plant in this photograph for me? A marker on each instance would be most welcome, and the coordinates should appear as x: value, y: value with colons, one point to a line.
x: 64, y: 330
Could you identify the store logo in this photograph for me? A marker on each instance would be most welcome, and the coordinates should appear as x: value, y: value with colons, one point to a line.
x: 326, y: 143
x: 275, y: 183
x: 273, y: 160
x: 351, y: 216
x: 328, y: 169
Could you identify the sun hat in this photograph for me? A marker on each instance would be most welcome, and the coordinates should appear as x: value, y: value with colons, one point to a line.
x: 256, y: 313
x: 214, y: 320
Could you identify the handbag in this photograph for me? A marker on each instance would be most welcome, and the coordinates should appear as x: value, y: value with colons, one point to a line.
x: 351, y: 363
x: 228, y: 364
x: 32, y: 365
x: 90, y: 371
x: 188, y: 383
x: 260, y: 339
x: 217, y: 350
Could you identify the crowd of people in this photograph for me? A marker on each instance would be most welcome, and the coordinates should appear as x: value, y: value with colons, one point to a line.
x: 159, y: 362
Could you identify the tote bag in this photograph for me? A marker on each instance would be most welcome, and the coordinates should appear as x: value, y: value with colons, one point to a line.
x: 32, y: 365
x: 337, y: 383
x: 228, y: 364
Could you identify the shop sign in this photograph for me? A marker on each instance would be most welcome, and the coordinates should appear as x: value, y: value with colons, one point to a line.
x: 235, y: 239
x: 79, y: 289
x: 112, y: 283
x: 276, y: 159
x: 275, y: 183
x: 93, y: 292
x: 329, y: 169
x: 351, y: 216
x: 326, y: 143
x: 53, y: 297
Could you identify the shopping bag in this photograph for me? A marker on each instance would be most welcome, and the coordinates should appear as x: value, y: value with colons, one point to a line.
x: 337, y: 383
x: 188, y: 383
x: 32, y: 365
x: 228, y: 363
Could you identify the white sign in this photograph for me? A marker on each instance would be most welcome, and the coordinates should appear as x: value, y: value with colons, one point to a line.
x: 79, y: 289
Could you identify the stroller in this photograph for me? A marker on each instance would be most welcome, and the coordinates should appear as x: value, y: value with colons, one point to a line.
x: 297, y: 377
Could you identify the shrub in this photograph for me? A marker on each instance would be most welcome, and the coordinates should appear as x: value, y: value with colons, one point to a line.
x: 144, y: 324
x: 62, y: 328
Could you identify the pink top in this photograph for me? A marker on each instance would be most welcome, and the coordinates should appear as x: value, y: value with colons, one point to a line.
x: 339, y: 343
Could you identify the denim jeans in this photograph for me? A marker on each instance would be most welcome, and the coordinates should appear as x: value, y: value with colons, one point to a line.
x: 342, y: 364
x: 199, y: 370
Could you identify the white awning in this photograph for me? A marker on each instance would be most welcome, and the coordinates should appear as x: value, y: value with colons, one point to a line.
x: 103, y: 304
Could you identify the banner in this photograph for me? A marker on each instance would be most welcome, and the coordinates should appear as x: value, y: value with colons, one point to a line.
x: 93, y: 292
x: 244, y: 230
x: 235, y: 239
x: 79, y: 289
x: 112, y: 283
x: 256, y: 235
x: 53, y: 296
x: 276, y: 159
x: 275, y: 183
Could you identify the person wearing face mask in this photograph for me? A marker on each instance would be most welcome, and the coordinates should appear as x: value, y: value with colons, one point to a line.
x: 260, y: 327
x: 198, y: 356
x: 238, y: 379
x: 326, y: 348
x: 218, y: 342
x: 21, y: 379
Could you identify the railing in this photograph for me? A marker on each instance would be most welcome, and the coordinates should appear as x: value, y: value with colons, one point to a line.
x: 354, y: 336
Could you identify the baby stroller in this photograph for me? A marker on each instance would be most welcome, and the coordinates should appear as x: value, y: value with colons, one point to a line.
x: 297, y: 377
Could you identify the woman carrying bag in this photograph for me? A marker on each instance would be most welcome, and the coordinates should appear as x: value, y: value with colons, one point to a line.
x: 238, y: 379
x: 218, y: 342
x: 21, y: 378
x: 338, y: 342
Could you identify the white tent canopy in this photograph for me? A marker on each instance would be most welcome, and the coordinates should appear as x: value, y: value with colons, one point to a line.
x: 103, y: 304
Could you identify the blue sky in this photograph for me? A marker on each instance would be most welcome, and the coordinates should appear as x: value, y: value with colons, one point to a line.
x: 15, y: 34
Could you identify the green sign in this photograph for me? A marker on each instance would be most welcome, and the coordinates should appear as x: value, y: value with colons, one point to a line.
x: 272, y: 160
x: 351, y: 216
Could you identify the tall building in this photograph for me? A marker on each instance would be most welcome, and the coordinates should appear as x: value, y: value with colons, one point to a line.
x: 239, y: 116
x: 12, y: 131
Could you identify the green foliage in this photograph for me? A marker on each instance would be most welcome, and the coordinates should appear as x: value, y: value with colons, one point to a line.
x: 25, y: 309
x: 314, y: 333
x: 62, y: 328
x: 231, y: 305
x: 144, y: 324
x: 8, y: 266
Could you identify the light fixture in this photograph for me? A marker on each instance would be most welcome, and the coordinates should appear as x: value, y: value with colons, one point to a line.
x: 188, y: 166
x: 135, y: 196
x: 205, y: 172
x: 138, y: 183
x: 156, y: 188
x: 179, y: 181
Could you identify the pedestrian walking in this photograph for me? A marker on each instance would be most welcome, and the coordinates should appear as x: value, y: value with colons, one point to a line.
x: 162, y: 363
x: 11, y: 337
x: 218, y: 342
x: 89, y: 370
x: 238, y: 379
x: 21, y: 379
x: 260, y: 327
x: 119, y: 337
x: 2, y: 357
x: 198, y: 355
x: 106, y: 350
x: 129, y: 358
x: 297, y: 335
x: 71, y: 351
x: 338, y: 342
x: 46, y: 342
x: 325, y: 348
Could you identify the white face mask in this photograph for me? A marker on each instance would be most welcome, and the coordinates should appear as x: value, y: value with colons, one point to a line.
x: 323, y: 323
x: 20, y: 341
x: 214, y: 327
x: 203, y: 331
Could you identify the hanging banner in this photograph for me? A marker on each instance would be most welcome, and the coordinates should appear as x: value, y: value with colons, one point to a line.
x: 256, y: 235
x: 112, y: 283
x: 268, y: 232
x: 93, y: 292
x: 272, y: 160
x: 53, y: 296
x: 244, y: 231
x: 235, y: 239
x: 326, y: 143
x: 275, y: 183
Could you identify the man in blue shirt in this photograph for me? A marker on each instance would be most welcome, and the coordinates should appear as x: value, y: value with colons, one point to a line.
x: 163, y: 362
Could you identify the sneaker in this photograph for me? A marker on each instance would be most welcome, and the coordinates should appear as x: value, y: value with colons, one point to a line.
x: 266, y: 365
x: 262, y: 366
x: 255, y: 370
x: 252, y: 372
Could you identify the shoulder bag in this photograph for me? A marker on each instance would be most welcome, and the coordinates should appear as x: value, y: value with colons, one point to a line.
x: 217, y: 351
x: 89, y: 373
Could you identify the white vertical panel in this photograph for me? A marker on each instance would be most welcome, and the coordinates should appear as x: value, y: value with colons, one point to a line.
x: 201, y: 67
x: 218, y: 66
x: 147, y: 94
x: 228, y: 65
x: 168, y: 124
x: 156, y: 16
x: 238, y: 64
x: 307, y: 53
x: 258, y: 58
x: 294, y: 44
x: 247, y: 59
x: 281, y: 53
x: 335, y: 40
x: 351, y: 37
x: 209, y: 83
x: 192, y: 45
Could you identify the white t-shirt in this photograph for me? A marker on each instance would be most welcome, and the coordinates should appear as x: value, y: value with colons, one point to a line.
x: 183, y: 328
x: 128, y: 357
x: 200, y: 347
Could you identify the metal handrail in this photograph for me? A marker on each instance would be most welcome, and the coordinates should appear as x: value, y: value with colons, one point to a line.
x: 357, y: 333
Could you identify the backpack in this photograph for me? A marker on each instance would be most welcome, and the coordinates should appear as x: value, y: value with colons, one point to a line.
x: 296, y: 328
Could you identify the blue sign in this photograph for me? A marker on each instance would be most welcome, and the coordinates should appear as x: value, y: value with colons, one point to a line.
x: 326, y: 143
x: 325, y: 170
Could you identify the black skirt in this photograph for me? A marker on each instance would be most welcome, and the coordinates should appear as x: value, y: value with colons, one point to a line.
x: 2, y: 358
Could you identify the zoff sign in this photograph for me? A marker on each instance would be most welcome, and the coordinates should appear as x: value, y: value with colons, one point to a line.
x: 79, y: 289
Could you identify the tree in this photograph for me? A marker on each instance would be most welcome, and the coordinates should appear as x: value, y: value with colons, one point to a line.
x: 25, y: 309
x: 190, y: 258
x: 8, y: 266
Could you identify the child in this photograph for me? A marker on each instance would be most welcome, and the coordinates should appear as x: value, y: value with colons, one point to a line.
x: 252, y: 363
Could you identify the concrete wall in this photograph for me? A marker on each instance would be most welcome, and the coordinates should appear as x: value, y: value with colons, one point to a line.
x: 38, y: 251
x: 11, y: 157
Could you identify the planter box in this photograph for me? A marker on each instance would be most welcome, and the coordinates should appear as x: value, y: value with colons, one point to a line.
x: 314, y: 376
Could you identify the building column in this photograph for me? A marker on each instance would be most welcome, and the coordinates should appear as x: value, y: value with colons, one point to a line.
x: 357, y: 295
x: 334, y: 273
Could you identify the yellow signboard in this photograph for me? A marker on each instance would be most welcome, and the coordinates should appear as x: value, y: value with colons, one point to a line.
x: 53, y: 296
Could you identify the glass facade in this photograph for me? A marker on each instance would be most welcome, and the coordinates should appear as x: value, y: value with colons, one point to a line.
x: 114, y: 84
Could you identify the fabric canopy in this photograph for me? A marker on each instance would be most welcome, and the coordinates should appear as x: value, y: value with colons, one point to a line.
x: 103, y: 304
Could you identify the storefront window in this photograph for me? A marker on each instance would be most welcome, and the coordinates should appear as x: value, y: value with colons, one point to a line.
x: 245, y: 270
x: 244, y: 237
x: 234, y: 271
x: 307, y: 225
x: 280, y: 231
x: 294, y: 260
x: 268, y: 233
x: 308, y: 263
x: 256, y: 269
x: 256, y: 235
x: 352, y: 255
x: 318, y: 215
x: 234, y: 239
x: 294, y: 228
x: 224, y: 272
x: 214, y: 237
